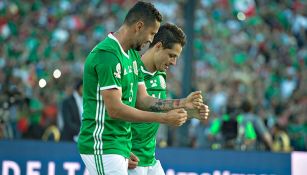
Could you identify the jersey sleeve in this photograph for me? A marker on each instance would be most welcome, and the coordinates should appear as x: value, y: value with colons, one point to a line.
x: 108, y: 69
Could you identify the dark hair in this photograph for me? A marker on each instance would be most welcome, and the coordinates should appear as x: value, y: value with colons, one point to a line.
x: 143, y: 11
x: 246, y: 106
x: 168, y: 35
x: 78, y: 84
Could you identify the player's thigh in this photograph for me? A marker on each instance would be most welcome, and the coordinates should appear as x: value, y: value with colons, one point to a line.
x: 114, y: 164
x: 110, y: 164
x: 156, y: 169
x: 89, y: 161
x: 139, y: 170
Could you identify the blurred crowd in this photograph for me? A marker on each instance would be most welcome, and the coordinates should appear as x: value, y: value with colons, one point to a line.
x: 250, y: 63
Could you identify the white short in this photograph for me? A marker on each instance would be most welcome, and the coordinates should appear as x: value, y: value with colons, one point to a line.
x: 156, y: 169
x: 107, y: 164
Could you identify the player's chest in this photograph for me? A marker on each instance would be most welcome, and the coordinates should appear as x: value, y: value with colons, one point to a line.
x: 129, y: 70
x: 155, y: 82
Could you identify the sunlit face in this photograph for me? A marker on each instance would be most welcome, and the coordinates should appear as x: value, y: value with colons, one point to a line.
x: 164, y: 58
x: 145, y: 35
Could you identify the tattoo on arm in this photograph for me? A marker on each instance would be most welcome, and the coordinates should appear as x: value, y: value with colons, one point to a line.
x: 165, y: 105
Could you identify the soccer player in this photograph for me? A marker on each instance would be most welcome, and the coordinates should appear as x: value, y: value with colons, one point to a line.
x: 113, y: 87
x: 162, y: 53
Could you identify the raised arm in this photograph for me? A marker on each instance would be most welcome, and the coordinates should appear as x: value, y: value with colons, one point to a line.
x: 118, y: 110
x: 110, y: 85
x: 193, y: 104
x: 148, y: 103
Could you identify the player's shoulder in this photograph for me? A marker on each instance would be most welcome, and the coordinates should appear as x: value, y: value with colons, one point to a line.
x: 135, y: 52
x: 102, y: 56
x: 107, y: 45
x: 135, y: 55
x: 161, y: 73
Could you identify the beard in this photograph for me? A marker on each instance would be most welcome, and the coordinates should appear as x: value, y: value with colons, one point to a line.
x: 138, y: 47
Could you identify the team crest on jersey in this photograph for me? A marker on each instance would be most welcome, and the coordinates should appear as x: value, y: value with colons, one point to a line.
x: 118, y: 71
x: 129, y: 69
x: 153, y: 83
x: 162, y: 82
x: 135, y: 68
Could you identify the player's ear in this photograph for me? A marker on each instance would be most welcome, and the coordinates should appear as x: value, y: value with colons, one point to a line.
x: 139, y: 25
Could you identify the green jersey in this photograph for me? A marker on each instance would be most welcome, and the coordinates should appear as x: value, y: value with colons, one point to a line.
x: 106, y: 67
x: 144, y: 134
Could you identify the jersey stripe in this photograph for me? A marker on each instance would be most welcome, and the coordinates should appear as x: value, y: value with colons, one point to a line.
x: 99, y: 121
x: 110, y: 87
x: 97, y: 164
x: 96, y: 133
x: 100, y: 115
x: 99, y: 118
x: 101, y: 124
x: 96, y: 119
x: 102, y: 165
x: 141, y: 82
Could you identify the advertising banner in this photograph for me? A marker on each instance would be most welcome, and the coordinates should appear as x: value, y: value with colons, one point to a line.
x: 49, y: 158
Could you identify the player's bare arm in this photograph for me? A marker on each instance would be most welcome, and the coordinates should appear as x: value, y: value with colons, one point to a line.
x: 193, y: 104
x: 118, y: 110
x: 148, y: 103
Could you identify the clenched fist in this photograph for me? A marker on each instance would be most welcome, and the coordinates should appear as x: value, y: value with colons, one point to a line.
x: 193, y: 101
x: 175, y: 117
x: 202, y: 113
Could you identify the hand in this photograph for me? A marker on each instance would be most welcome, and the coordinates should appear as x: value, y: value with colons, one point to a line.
x: 193, y: 101
x: 201, y: 114
x: 175, y: 117
x: 133, y: 161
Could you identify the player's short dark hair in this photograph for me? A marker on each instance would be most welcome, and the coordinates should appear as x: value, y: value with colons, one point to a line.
x: 169, y: 34
x: 143, y: 11
x: 78, y: 83
x: 246, y: 106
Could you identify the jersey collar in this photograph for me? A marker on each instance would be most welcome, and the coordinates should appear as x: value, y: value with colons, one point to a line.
x: 110, y: 35
x: 147, y: 72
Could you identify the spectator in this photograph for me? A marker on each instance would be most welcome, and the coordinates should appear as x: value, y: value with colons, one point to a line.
x: 263, y: 57
x: 281, y: 140
x: 72, y: 114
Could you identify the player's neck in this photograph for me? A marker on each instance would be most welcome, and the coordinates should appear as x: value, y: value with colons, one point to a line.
x: 147, y: 59
x: 123, y: 38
